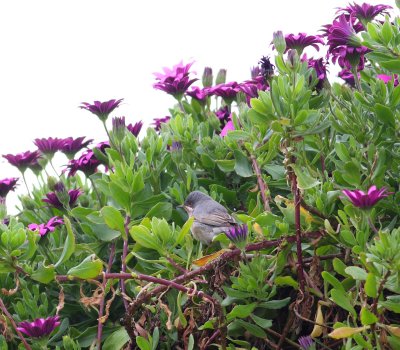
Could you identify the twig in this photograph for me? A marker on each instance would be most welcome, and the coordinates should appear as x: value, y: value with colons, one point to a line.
x: 10, y: 318
x: 261, y: 184
x: 123, y: 266
x: 102, y: 301
x: 374, y: 307
x: 276, y: 334
x: 286, y: 329
x: 312, y: 210
x: 177, y: 266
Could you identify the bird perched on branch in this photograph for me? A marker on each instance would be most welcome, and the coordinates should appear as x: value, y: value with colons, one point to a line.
x: 210, y: 217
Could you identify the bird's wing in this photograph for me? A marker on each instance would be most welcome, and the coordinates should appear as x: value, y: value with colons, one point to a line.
x: 214, y: 216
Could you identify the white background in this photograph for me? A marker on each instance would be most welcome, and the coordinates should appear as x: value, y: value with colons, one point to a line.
x: 57, y: 54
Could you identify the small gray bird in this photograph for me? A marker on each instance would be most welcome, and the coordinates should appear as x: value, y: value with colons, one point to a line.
x: 210, y: 217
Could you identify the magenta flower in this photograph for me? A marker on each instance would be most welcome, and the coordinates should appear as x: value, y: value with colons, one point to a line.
x: 348, y: 77
x: 157, y: 122
x: 7, y: 185
x: 386, y: 78
x: 102, y: 109
x: 266, y: 67
x: 364, y: 13
x: 306, y: 342
x: 319, y: 66
x: 40, y: 327
x: 363, y: 200
x: 25, y: 160
x: 348, y: 56
x: 44, y: 229
x: 52, y: 199
x: 87, y: 163
x: 341, y: 32
x: 227, y: 91
x: 135, y: 128
x: 223, y: 114
x: 71, y: 146
x: 237, y: 234
x: 229, y: 126
x: 198, y: 94
x: 302, y: 40
x: 174, y: 81
x: 49, y: 146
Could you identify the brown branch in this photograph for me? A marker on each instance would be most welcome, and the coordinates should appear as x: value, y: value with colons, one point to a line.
x: 374, y: 307
x: 10, y: 318
x: 276, y: 334
x: 261, y: 184
x: 102, y: 301
x: 123, y: 266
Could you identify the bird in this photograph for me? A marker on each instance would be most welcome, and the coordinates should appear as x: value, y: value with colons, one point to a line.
x: 210, y: 217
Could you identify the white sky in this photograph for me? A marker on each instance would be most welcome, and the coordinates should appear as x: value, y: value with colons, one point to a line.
x: 57, y: 54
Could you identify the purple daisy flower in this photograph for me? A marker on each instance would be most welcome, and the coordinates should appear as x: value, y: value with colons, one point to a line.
x: 319, y: 66
x: 87, y: 163
x: 348, y: 77
x: 348, y: 56
x: 49, y: 146
x: 25, y: 160
x: 44, y: 229
x: 302, y: 40
x: 52, y: 199
x: 198, y: 94
x: 135, y: 128
x: 71, y: 146
x: 227, y: 91
x: 175, y: 81
x: 102, y: 109
x: 363, y: 200
x: 266, y: 67
x: 157, y: 122
x: 229, y: 126
x: 40, y: 327
x: 223, y: 114
x: 364, y: 13
x: 386, y: 78
x: 7, y: 185
x: 341, y: 32
x: 237, y: 234
x: 306, y: 342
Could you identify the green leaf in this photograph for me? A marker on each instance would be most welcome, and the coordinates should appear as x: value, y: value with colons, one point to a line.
x: 142, y: 235
x: 370, y: 286
x: 385, y: 114
x: 286, y: 281
x: 242, y: 165
x: 304, y: 179
x: 114, y: 219
x: 6, y: 267
x: 44, y: 274
x: 3, y: 343
x: 332, y: 280
x: 184, y: 230
x: 116, y: 340
x: 262, y: 322
x: 241, y: 311
x: 252, y: 328
x: 351, y: 174
x: 162, y: 210
x: 356, y: 272
x: 87, y: 269
x: 226, y: 165
x: 119, y: 195
x: 343, y: 300
x: 274, y: 304
x: 69, y: 245
x: 367, y: 317
x: 191, y: 342
x: 142, y: 343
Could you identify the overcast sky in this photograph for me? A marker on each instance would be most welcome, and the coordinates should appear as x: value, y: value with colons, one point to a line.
x: 57, y: 54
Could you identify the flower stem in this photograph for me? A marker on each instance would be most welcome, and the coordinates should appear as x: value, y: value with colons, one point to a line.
x: 96, y: 191
x: 356, y: 79
x: 26, y: 184
x: 8, y: 315
x: 123, y: 267
x: 261, y: 184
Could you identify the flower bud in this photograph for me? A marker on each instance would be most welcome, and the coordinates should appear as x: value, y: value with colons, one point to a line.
x: 118, y: 129
x: 207, y: 78
x: 28, y: 203
x: 221, y: 77
x: 279, y: 42
x: 62, y: 194
x: 51, y: 182
x: 293, y: 57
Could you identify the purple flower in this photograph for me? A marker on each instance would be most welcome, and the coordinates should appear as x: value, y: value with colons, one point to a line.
x: 365, y: 12
x: 71, y: 146
x: 40, y: 327
x: 157, y: 122
x: 348, y: 77
x: 49, y: 146
x: 7, y: 185
x: 229, y: 126
x: 348, y: 56
x: 306, y: 342
x: 223, y: 114
x: 175, y: 81
x: 227, y: 91
x: 237, y: 234
x: 87, y: 163
x: 44, y: 229
x: 341, y: 32
x: 386, y: 78
x: 135, y: 129
x: 251, y: 87
x: 320, y: 69
x: 176, y: 146
x: 361, y: 199
x: 266, y: 67
x: 301, y: 41
x: 198, y: 93
x: 53, y: 200
x: 25, y: 160
x: 102, y: 146
x: 102, y: 109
